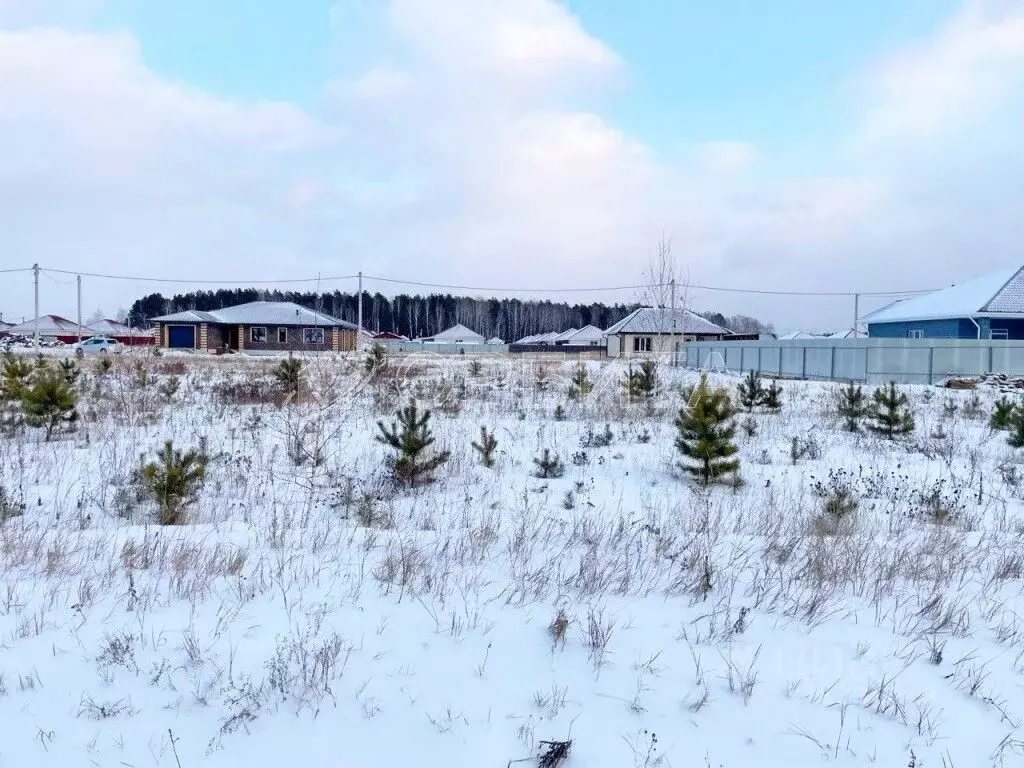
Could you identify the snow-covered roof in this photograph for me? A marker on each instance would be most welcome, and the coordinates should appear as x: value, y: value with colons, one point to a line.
x: 997, y: 293
x: 660, y: 320
x: 587, y: 334
x: 115, y: 328
x: 495, y: 340
x: 286, y: 313
x: 564, y: 335
x: 545, y: 338
x: 457, y: 333
x: 50, y: 325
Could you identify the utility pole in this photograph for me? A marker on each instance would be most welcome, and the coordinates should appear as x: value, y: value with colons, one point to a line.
x: 359, y: 322
x: 856, y: 314
x: 675, y: 356
x: 35, y: 333
x: 79, y: 309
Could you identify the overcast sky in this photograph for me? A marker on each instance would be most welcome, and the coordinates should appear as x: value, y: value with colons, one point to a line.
x: 792, y: 145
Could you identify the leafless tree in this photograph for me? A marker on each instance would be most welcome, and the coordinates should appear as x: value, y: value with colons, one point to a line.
x: 662, y: 270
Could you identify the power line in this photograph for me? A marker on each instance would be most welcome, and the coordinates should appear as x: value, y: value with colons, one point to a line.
x: 456, y: 287
x: 244, y: 281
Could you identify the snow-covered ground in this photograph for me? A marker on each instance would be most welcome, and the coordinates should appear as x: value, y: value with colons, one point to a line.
x: 310, y: 614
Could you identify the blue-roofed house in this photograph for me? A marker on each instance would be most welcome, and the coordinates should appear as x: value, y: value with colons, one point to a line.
x: 988, y: 307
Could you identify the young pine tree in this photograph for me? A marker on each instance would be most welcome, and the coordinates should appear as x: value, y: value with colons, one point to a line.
x: 706, y: 432
x: 580, y: 386
x: 410, y: 437
x: 16, y: 376
x: 1016, y: 437
x: 548, y: 465
x: 1003, y: 415
x: 69, y: 370
x: 376, y: 360
x: 49, y: 403
x: 889, y: 413
x: 750, y: 391
x: 851, y: 405
x: 174, y: 480
x: 642, y: 383
x: 486, y: 447
x: 289, y: 376
x: 772, y: 397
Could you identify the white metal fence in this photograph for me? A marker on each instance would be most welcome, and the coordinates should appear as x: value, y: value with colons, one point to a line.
x: 906, y: 361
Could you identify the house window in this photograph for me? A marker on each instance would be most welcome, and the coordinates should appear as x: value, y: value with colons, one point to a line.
x: 313, y: 335
x: 282, y: 335
x: 258, y: 335
x: 642, y: 343
x: 915, y: 333
x: 999, y: 333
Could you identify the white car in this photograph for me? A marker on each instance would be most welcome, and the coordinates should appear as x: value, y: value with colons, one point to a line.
x: 98, y: 345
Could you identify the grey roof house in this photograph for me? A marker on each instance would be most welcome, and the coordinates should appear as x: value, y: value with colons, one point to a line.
x: 259, y: 326
x: 649, y: 331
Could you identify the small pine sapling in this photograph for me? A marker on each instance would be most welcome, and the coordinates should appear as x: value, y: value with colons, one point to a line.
x: 1016, y: 438
x: 69, y: 370
x: 772, y: 397
x: 750, y: 391
x: 411, y: 438
x: 559, y: 413
x: 103, y: 365
x: 486, y: 447
x: 174, y: 481
x: 1002, y: 415
x: 376, y: 360
x: 50, y: 403
x: 475, y: 368
x: 580, y: 386
x: 16, y: 376
x: 641, y: 384
x: 548, y: 465
x: 289, y: 376
x: 889, y: 413
x: 542, y: 378
x: 170, y: 387
x: 852, y: 406
x: 706, y: 431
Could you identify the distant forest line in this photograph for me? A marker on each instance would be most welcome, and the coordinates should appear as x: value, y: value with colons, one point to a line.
x: 415, y: 316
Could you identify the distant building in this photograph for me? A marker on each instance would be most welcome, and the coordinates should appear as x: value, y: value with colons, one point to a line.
x: 51, y: 327
x: 126, y: 335
x: 649, y: 331
x: 260, y: 326
x: 389, y: 336
x: 588, y: 336
x: 457, y: 334
x: 987, y: 307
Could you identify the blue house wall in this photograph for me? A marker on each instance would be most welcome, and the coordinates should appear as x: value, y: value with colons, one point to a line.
x: 947, y: 329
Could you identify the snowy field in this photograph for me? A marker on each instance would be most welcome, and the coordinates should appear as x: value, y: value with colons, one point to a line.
x: 310, y: 613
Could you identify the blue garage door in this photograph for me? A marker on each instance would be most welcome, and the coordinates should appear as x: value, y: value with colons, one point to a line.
x: 181, y: 337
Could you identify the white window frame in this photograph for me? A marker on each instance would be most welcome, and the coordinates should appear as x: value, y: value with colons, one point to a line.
x: 915, y: 333
x: 643, y: 343
x: 309, y: 333
x: 282, y: 332
x: 999, y: 334
x: 252, y: 334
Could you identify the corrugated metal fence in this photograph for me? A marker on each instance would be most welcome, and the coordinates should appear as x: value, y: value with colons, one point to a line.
x: 906, y: 361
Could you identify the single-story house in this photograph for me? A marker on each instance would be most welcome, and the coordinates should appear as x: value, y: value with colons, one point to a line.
x: 259, y: 326
x: 562, y: 338
x: 987, y: 307
x: 587, y: 336
x: 649, y: 331
x: 495, y: 340
x: 390, y: 336
x: 51, y: 328
x: 457, y: 334
x: 113, y: 329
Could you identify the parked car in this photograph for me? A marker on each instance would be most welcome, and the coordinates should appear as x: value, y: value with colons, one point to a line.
x: 98, y: 345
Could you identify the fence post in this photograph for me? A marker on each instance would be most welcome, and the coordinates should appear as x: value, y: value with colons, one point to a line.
x: 931, y: 364
x: 803, y: 364
x: 991, y: 358
x: 832, y: 364
x: 759, y: 358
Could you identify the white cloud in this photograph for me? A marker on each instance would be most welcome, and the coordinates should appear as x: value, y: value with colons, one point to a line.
x: 463, y: 141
